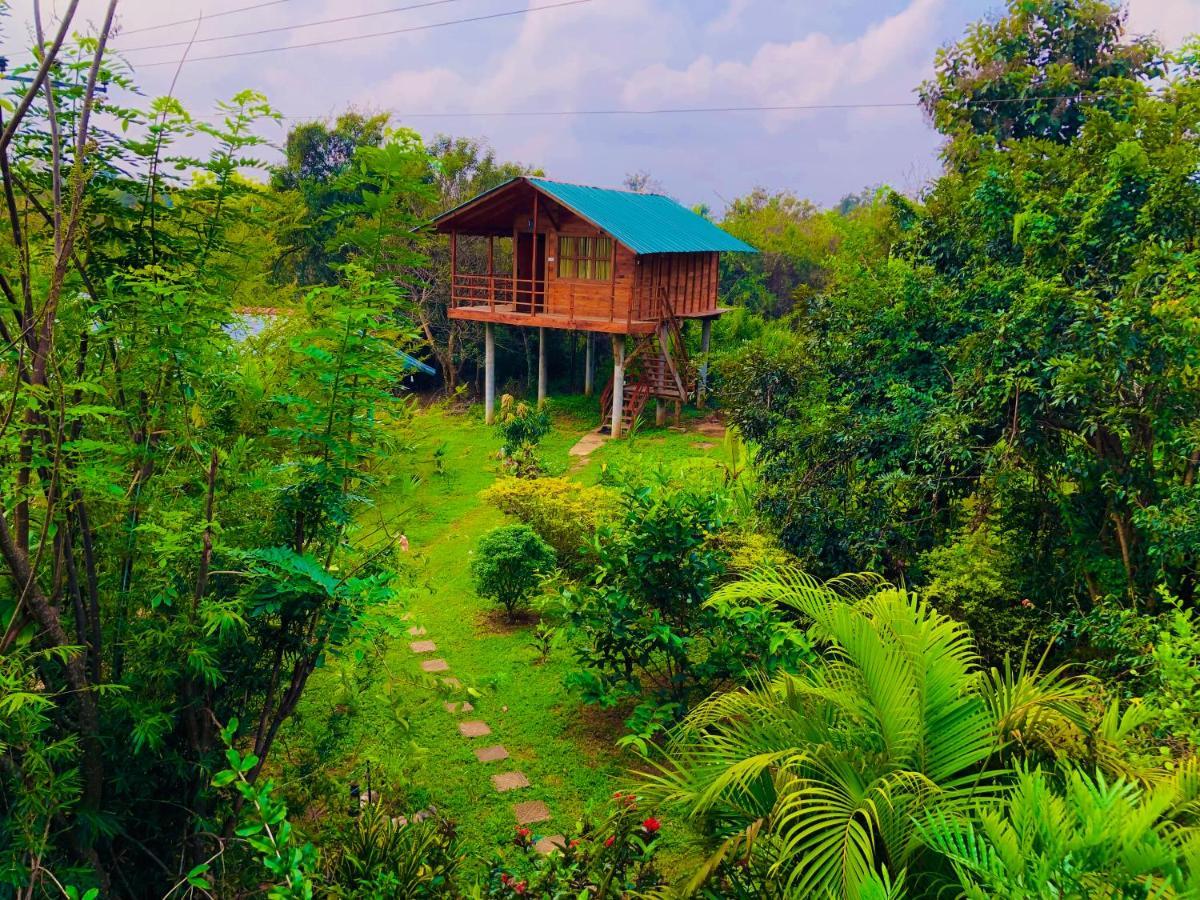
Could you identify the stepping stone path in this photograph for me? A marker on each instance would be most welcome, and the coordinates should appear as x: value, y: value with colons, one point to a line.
x: 551, y: 843
x: 528, y: 812
x: 473, y: 729
x: 510, y: 781
x: 531, y: 811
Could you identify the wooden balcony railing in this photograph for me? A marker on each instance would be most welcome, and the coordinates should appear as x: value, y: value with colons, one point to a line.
x: 504, y: 292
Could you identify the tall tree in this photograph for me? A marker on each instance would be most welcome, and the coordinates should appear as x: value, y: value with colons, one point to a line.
x: 1035, y: 71
x: 315, y: 155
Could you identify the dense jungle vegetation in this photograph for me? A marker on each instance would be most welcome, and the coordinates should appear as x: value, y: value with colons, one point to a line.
x: 921, y: 623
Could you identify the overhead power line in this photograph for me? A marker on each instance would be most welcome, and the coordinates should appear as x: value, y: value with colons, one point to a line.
x: 374, y: 34
x: 216, y: 15
x: 685, y: 110
x: 261, y: 31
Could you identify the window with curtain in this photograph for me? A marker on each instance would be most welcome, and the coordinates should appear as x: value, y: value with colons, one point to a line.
x: 587, y: 258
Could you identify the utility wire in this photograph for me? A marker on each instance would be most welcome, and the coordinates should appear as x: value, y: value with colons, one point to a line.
x: 374, y: 34
x: 240, y: 34
x: 799, y: 107
x: 216, y: 15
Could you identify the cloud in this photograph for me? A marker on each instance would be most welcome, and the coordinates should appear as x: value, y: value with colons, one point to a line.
x: 731, y: 18
x: 814, y: 69
x: 603, y: 55
x: 1171, y: 20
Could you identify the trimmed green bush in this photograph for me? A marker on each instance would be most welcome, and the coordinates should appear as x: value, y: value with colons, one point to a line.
x: 508, y: 565
x: 565, y: 514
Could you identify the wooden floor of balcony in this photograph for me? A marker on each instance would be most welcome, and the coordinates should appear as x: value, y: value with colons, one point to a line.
x: 510, y: 314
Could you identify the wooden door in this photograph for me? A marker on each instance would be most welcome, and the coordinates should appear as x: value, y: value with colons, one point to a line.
x: 531, y: 301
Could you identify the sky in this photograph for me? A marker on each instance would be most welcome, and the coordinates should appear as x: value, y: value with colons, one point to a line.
x: 574, y: 56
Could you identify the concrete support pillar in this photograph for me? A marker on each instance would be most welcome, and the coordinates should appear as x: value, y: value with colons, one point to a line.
x: 589, y: 363
x: 541, y: 367
x: 678, y: 412
x: 702, y: 381
x: 618, y: 394
x: 660, y: 412
x: 489, y: 373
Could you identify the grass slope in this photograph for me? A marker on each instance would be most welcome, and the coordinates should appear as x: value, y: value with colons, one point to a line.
x: 379, y: 709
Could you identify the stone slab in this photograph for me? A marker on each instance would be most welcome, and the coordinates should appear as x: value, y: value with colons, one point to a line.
x: 588, y: 443
x: 473, y: 729
x: 531, y: 811
x: 435, y: 665
x: 452, y: 682
x: 491, y: 754
x: 417, y: 631
x: 453, y: 706
x: 551, y: 843
x: 509, y: 781
x: 422, y: 646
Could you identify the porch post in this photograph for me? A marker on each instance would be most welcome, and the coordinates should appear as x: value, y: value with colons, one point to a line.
x: 618, y: 391
x: 589, y: 363
x: 702, y: 386
x: 660, y: 412
x: 541, y: 367
x: 489, y: 373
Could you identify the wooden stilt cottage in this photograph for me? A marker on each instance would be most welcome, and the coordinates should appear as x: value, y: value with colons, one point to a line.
x: 636, y: 267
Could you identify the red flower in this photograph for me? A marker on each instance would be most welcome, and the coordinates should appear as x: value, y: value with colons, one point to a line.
x: 575, y: 842
x: 609, y: 841
x: 521, y: 887
x: 652, y: 825
x: 523, y: 832
x: 1027, y: 603
x: 505, y: 879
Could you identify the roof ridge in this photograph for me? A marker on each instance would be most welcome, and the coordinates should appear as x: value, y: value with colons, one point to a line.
x: 597, y: 187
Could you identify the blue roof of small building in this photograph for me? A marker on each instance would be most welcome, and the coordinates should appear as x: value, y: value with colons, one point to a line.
x: 645, y: 223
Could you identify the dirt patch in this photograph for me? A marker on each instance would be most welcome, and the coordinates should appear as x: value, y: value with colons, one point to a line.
x: 596, y: 730
x: 713, y: 426
x: 496, y: 621
x: 703, y: 445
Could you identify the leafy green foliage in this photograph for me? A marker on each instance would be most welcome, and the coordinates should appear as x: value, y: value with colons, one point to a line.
x: 522, y: 427
x: 263, y: 826
x: 564, y: 513
x: 1174, y: 677
x: 509, y: 563
x: 180, y: 501
x: 381, y: 857
x: 640, y: 620
x: 1034, y: 72
x: 821, y: 776
x: 1075, y: 835
x: 1025, y: 345
x: 604, y: 860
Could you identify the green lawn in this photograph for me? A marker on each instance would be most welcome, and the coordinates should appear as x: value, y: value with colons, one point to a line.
x: 378, y: 708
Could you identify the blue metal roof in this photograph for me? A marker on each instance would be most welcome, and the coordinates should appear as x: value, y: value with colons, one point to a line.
x: 413, y: 364
x: 645, y: 223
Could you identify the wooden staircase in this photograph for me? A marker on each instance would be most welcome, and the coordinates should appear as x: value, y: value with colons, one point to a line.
x: 658, y: 367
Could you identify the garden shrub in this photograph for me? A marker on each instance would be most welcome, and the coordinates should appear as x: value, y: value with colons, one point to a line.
x: 508, y: 565
x: 522, y: 427
x: 565, y: 514
x: 377, y: 856
x: 614, y: 858
x: 749, y: 550
x: 972, y: 579
x: 641, y: 619
x: 1174, y: 689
